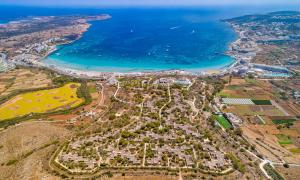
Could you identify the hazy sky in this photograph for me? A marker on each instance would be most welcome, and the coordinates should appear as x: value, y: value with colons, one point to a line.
x: 146, y: 2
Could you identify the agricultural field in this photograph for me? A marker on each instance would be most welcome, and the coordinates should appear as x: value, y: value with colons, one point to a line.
x: 25, y: 149
x: 223, y: 122
x: 295, y: 150
x: 247, y: 88
x: 270, y: 124
x: 262, y: 102
x: 284, y: 139
x: 260, y: 92
x: 283, y: 121
x: 288, y: 173
x: 23, y: 79
x: 252, y: 110
x: 43, y: 101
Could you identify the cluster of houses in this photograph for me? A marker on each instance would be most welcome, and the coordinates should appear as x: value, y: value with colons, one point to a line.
x: 217, y: 158
x: 170, y: 81
x: 233, y: 119
x: 112, y: 152
x: 74, y: 158
x: 172, y: 144
x: 41, y: 48
x: 261, y: 70
x: 4, y: 65
x: 251, y: 40
x: 296, y: 95
x: 179, y: 151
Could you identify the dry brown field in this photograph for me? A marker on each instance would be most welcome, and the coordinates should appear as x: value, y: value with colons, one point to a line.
x: 265, y: 141
x: 27, y: 137
x: 248, y: 88
x: 22, y: 79
x: 251, y: 110
x: 291, y: 173
x: 292, y: 108
x: 145, y: 178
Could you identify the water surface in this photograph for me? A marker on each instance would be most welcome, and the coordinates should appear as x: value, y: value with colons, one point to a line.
x: 150, y: 39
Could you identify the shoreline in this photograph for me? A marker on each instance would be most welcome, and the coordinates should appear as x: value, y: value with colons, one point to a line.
x: 211, y: 71
x: 105, y: 75
x: 95, y: 74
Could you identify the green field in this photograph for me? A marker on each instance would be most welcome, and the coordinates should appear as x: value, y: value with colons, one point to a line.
x: 262, y: 102
x: 43, y: 101
x: 223, y: 121
x: 284, y: 139
x: 233, y: 87
x: 283, y: 121
x: 295, y: 150
x: 250, y: 80
x: 223, y: 95
x: 92, y: 89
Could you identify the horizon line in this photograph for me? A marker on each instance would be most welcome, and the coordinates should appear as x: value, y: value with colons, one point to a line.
x: 152, y: 5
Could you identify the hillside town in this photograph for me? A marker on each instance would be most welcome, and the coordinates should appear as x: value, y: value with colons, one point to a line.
x: 261, y: 48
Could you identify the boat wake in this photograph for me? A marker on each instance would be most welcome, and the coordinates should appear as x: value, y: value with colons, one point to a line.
x: 175, y: 27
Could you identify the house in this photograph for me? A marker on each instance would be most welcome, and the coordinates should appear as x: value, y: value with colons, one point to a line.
x: 234, y: 119
x: 183, y: 82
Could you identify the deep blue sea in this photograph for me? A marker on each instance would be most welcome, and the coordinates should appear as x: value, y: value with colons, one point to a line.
x: 143, y: 39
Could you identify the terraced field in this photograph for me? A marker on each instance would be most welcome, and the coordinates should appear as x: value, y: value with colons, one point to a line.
x: 41, y: 102
x: 284, y: 139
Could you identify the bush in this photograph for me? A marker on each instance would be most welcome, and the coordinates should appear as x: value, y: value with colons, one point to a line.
x: 272, y: 172
x: 11, y: 162
x: 237, y: 164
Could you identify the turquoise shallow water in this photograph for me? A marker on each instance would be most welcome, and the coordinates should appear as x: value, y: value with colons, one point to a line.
x: 150, y: 39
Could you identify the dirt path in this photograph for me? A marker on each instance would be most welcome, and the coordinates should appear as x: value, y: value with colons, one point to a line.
x: 116, y: 93
x: 144, y: 157
x: 170, y: 99
x: 280, y: 108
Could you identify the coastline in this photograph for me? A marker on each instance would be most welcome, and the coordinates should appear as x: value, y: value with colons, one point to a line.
x: 96, y: 74
x: 209, y: 71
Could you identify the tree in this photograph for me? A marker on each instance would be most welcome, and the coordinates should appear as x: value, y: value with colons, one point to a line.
x: 238, y: 132
x: 230, y: 79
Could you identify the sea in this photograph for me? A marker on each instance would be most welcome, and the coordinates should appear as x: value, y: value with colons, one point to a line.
x: 140, y: 39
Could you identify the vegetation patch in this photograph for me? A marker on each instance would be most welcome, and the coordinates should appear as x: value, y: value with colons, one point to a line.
x: 233, y: 87
x: 295, y: 150
x: 224, y: 95
x: 262, y: 102
x: 284, y: 139
x: 272, y: 172
x: 237, y: 164
x: 283, y: 121
x: 92, y: 89
x: 223, y: 121
x: 42, y: 101
x: 250, y: 80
